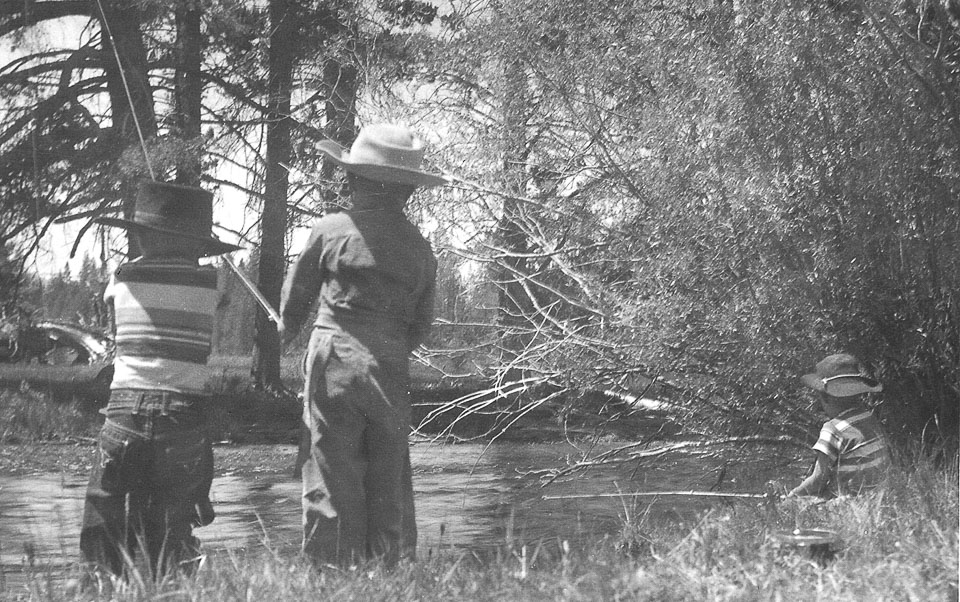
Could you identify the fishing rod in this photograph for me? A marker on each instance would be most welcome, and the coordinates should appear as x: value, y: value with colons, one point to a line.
x: 718, y: 494
x: 252, y: 288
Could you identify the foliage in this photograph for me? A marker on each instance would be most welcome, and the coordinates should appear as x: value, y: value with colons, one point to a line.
x: 691, y: 200
x: 79, y: 299
x: 62, y: 146
x: 711, y: 198
x: 12, y: 279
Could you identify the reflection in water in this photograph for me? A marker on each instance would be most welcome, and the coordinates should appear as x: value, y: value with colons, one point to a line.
x: 39, y: 519
x: 464, y: 499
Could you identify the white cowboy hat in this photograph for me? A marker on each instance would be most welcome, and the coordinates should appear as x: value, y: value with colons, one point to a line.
x: 385, y: 153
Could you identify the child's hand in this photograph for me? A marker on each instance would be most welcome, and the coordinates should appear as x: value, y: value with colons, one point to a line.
x: 286, y: 334
x: 776, y: 489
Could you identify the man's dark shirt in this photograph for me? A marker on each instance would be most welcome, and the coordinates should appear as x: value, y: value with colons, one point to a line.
x: 374, y: 274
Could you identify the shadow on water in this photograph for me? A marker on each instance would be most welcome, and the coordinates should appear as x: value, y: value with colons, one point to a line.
x: 467, y: 497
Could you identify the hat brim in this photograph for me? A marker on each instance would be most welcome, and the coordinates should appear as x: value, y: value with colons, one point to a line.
x: 842, y: 386
x: 211, y: 245
x: 380, y: 173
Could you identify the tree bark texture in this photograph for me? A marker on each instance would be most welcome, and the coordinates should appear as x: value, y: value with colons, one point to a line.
x: 131, y: 97
x: 282, y: 55
x: 189, y: 90
x: 514, y: 306
x: 341, y: 79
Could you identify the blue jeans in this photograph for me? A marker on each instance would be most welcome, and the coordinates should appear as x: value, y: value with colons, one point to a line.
x: 357, y: 485
x: 150, y: 483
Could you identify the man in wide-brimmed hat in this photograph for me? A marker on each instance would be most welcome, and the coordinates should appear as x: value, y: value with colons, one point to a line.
x: 150, y: 483
x: 374, y: 274
x: 851, y: 454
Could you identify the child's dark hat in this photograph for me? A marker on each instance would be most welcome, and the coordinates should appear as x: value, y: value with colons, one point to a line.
x: 182, y: 211
x: 841, y: 375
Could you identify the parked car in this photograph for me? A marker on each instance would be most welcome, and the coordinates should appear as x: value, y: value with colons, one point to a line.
x: 61, y: 359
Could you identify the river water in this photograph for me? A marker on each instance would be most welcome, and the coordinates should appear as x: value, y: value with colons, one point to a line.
x: 467, y: 496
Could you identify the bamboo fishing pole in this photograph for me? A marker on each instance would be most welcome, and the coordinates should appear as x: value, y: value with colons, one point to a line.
x: 719, y: 494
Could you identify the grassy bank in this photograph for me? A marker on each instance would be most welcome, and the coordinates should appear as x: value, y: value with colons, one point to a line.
x: 27, y: 416
x: 237, y: 415
x: 897, y: 544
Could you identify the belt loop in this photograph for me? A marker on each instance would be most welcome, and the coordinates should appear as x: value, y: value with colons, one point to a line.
x: 165, y: 404
x: 138, y: 402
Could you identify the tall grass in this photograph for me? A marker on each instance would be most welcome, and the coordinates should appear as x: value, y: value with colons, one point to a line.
x: 899, y: 543
x: 28, y: 416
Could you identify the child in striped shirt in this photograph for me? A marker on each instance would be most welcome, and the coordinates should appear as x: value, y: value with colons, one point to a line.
x: 851, y: 453
x: 150, y: 483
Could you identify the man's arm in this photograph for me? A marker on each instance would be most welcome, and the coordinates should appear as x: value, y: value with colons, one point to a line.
x: 817, y: 481
x: 301, y: 288
x: 423, y: 319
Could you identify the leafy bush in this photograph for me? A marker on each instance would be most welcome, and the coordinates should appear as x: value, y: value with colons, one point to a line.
x: 713, y: 197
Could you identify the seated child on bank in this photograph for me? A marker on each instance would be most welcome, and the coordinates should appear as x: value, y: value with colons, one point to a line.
x: 851, y: 453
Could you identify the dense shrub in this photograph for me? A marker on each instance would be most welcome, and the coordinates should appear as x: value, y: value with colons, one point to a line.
x: 714, y: 196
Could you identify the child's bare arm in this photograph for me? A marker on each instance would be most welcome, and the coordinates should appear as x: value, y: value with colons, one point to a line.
x: 817, y: 481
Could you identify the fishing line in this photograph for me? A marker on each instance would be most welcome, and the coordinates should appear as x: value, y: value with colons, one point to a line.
x: 261, y: 300
x: 716, y: 494
x: 126, y: 89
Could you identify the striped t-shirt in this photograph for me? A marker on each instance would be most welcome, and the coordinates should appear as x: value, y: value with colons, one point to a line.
x: 164, y: 312
x: 855, y: 442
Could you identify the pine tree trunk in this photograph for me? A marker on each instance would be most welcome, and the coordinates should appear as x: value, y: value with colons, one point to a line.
x: 131, y: 97
x: 514, y: 307
x: 341, y: 79
x: 189, y: 90
x: 273, y: 225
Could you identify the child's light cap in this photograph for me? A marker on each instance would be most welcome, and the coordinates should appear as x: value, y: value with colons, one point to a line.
x: 841, y: 375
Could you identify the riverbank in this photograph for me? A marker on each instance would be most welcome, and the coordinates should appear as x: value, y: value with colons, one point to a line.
x: 239, y: 413
x: 41, y: 435
x: 899, y: 543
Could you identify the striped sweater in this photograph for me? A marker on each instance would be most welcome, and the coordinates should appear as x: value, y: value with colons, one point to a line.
x: 164, y: 312
x: 855, y: 442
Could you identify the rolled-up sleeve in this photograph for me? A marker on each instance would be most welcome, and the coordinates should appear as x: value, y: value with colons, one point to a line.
x: 829, y: 442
